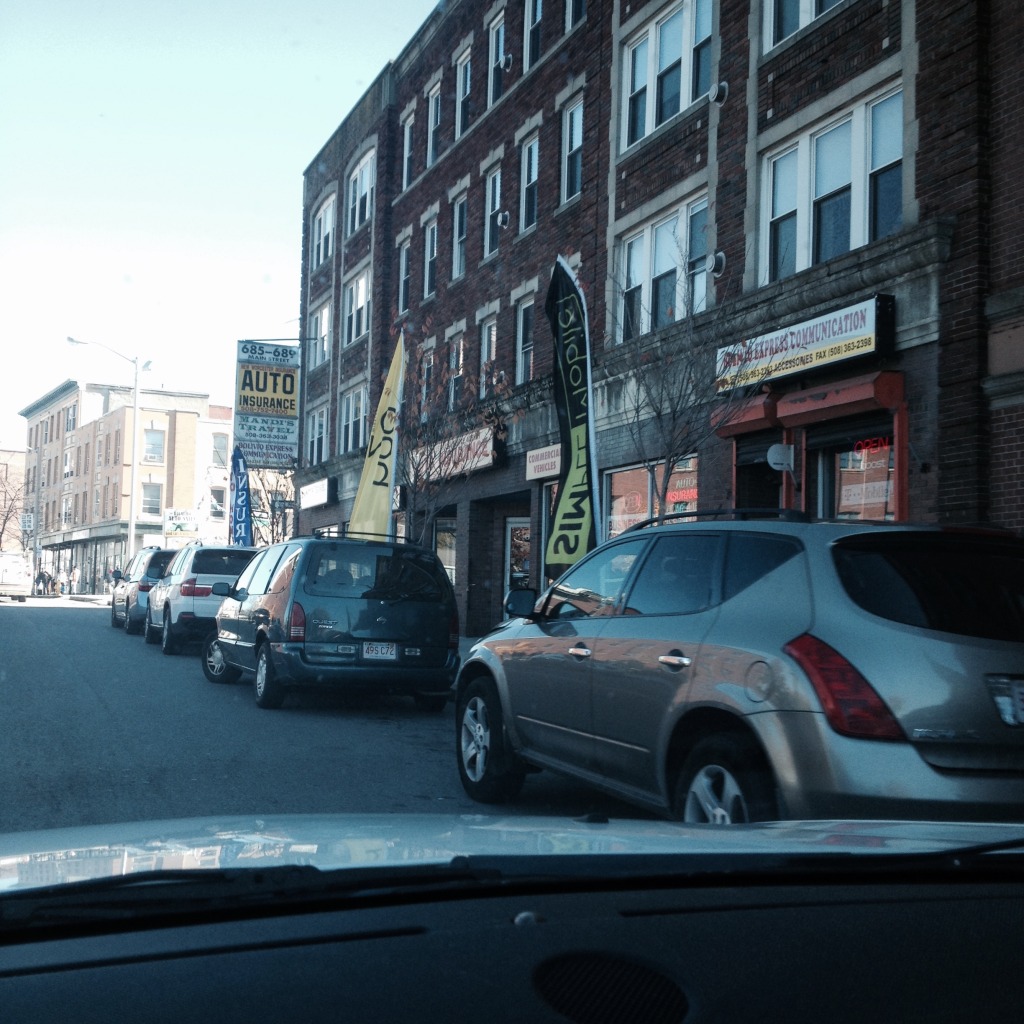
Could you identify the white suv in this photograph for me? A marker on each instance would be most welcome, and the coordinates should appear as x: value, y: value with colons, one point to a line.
x: 182, y: 606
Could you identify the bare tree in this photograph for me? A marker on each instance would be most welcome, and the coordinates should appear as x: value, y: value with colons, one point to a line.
x: 272, y: 495
x: 12, y: 504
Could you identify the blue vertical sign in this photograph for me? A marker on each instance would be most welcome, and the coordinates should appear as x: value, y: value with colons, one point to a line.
x: 241, y: 506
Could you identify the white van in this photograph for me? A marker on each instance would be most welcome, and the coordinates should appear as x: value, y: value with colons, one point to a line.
x: 15, y: 575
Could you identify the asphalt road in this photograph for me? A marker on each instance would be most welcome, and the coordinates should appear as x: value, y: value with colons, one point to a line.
x: 97, y: 726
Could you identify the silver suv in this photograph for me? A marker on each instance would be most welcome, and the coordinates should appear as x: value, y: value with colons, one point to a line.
x: 182, y: 605
x: 726, y: 671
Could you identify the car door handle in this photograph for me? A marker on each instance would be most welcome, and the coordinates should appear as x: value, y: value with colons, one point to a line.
x: 579, y: 652
x: 674, y: 660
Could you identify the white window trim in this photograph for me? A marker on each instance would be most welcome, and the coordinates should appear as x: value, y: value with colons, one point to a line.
x: 497, y: 59
x: 459, y: 264
x: 316, y: 426
x: 358, y: 298
x: 488, y: 354
x: 404, y: 275
x: 806, y: 14
x: 492, y: 211
x: 521, y: 375
x: 408, y: 124
x: 430, y: 257
x: 567, y: 119
x: 532, y: 8
x: 323, y: 232
x: 433, y: 125
x: 352, y: 422
x: 533, y: 142
x: 463, y: 92
x: 361, y: 185
x: 318, y: 349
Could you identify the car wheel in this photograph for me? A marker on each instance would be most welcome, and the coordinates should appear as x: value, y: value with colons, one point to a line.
x: 113, y: 615
x: 429, y: 703
x: 149, y: 631
x: 168, y: 642
x: 725, y: 781
x: 268, y: 688
x: 489, y: 770
x: 129, y: 627
x: 215, y: 668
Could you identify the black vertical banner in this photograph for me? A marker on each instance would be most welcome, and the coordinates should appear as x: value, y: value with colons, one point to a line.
x: 576, y: 520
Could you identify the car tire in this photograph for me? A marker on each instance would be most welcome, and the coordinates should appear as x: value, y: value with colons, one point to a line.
x: 267, y: 687
x: 725, y: 781
x: 114, y: 622
x: 489, y: 770
x: 149, y: 631
x: 168, y: 641
x: 215, y: 668
x: 429, y: 703
x: 129, y: 628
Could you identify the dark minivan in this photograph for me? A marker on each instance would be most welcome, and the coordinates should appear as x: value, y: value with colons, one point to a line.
x: 338, y: 612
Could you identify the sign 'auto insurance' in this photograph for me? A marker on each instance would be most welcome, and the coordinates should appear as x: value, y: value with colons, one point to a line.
x: 267, y: 403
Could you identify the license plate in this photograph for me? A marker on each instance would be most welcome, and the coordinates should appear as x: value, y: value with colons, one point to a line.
x: 1008, y: 694
x: 374, y: 650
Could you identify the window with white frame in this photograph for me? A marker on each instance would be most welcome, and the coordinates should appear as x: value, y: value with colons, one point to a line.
x: 498, y: 60
x: 426, y: 383
x: 488, y: 355
x: 404, y: 275
x: 153, y: 445
x: 835, y: 188
x: 463, y: 81
x: 318, y: 341
x: 528, y: 199
x: 430, y: 258
x: 784, y: 17
x: 663, y: 271
x: 493, y: 221
x: 532, y: 28
x: 151, y: 499
x: 316, y: 436
x: 220, y: 451
x: 218, y: 503
x: 433, y: 125
x: 459, y: 220
x: 360, y: 192
x: 407, y: 150
x: 456, y: 370
x: 524, y: 341
x: 575, y: 12
x: 352, y: 420
x: 357, y: 307
x: 572, y: 151
x: 667, y: 66
x: 323, y: 233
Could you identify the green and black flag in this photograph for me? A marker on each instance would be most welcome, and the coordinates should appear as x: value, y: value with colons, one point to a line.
x: 575, y: 525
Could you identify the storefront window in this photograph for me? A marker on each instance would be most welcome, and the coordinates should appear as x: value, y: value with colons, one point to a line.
x: 444, y: 544
x: 852, y: 471
x: 632, y: 494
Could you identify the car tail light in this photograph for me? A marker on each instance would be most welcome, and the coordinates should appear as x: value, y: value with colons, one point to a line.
x: 453, y: 633
x: 144, y: 587
x: 851, y: 705
x: 297, y: 624
x: 190, y: 588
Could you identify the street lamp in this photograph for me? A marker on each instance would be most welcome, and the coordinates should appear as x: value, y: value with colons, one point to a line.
x: 134, y: 360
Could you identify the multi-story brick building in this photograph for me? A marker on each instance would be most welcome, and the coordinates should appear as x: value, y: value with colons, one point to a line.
x: 823, y: 190
x: 79, y: 475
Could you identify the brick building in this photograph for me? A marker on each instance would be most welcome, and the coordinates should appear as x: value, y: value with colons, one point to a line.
x: 823, y: 192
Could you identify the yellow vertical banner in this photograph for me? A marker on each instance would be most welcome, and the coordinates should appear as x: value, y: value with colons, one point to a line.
x: 371, y: 512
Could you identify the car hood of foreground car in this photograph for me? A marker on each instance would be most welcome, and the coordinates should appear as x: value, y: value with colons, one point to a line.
x: 31, y: 860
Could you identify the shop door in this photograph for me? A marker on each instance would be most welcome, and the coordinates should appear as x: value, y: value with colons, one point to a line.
x: 517, y: 553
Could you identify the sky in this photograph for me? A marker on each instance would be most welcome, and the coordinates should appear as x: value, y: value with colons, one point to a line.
x: 151, y: 161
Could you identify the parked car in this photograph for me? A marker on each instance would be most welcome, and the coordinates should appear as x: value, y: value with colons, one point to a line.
x: 182, y: 607
x: 737, y: 670
x: 338, y: 612
x: 129, y: 599
x: 15, y: 575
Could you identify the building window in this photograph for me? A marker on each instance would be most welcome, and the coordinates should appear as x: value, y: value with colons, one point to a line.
x: 834, y: 188
x: 430, y: 258
x: 532, y: 43
x: 528, y: 199
x: 68, y: 467
x: 663, y: 271
x: 463, y: 80
x: 65, y: 511
x: 433, y: 125
x: 572, y: 148
x: 524, y: 342
x: 318, y: 342
x: 151, y: 494
x: 352, y: 427
x: 154, y: 446
x: 667, y: 67
x: 426, y: 383
x: 488, y: 355
x: 784, y: 17
x: 493, y: 223
x: 357, y: 307
x: 456, y: 371
x: 218, y: 503
x: 404, y: 276
x: 360, y: 193
x: 498, y: 61
x: 407, y: 151
x: 220, y: 450
x: 323, y: 233
x: 575, y: 12
x: 316, y: 436
x: 71, y: 418
x: 459, y: 237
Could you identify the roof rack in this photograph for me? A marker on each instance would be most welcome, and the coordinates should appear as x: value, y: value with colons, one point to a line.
x: 788, y: 515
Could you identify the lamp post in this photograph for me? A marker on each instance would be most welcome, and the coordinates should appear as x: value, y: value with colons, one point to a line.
x: 135, y: 436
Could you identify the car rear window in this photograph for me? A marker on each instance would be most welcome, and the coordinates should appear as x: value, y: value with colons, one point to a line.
x: 216, y: 562
x: 159, y: 562
x: 952, y: 582
x: 376, y: 572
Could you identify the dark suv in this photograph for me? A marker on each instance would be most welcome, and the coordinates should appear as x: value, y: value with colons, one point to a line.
x: 338, y: 612
x: 725, y: 671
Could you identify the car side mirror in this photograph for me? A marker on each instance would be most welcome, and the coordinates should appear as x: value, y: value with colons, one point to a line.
x: 117, y: 575
x: 519, y: 603
x: 221, y: 589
